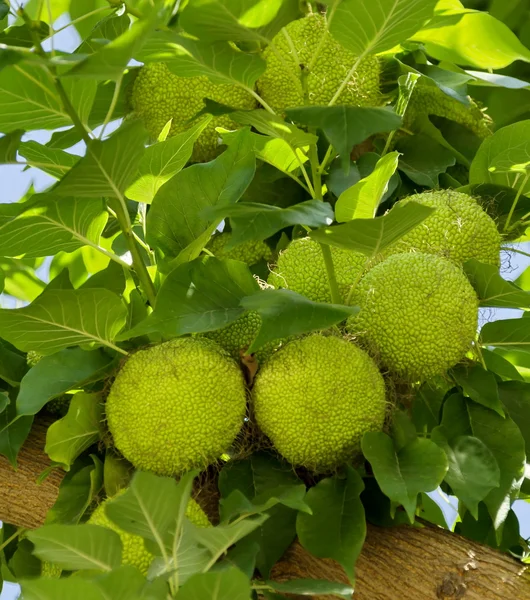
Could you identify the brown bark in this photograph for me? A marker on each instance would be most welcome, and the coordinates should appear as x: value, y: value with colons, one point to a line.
x: 400, y: 563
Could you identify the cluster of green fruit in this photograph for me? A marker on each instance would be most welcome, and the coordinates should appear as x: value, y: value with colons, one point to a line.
x: 305, y: 66
x: 181, y: 404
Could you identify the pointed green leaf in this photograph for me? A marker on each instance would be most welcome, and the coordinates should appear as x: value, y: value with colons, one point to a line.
x: 362, y: 199
x: 68, y: 437
x: 61, y: 318
x: 285, y: 313
x: 423, y: 159
x: 492, y: 289
x: 371, y: 236
x: 479, y: 385
x: 218, y: 585
x: 162, y: 161
x: 78, y: 546
x: 418, y: 467
x: 508, y: 334
x: 337, y: 527
x: 53, y: 161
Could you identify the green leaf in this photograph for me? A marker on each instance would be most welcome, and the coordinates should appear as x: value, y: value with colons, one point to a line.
x: 199, y: 296
x: 153, y: 507
x: 477, y: 39
x: 427, y: 406
x: 56, y: 374
x: 371, y: 236
x: 88, y: 22
x: 509, y: 334
x: 503, y: 439
x: 275, y: 127
x: 219, y: 585
x: 175, y: 223
x: 53, y: 225
x: 61, y: 589
x: 162, y: 161
x: 124, y: 583
x: 499, y: 365
x: 243, y: 556
x: 372, y: 28
x: 116, y: 473
x: 346, y: 126
x: 12, y: 364
x: 61, y: 318
x: 13, y: 432
x: 112, y: 59
x: 9, y: 145
x: 337, y: 527
x: 30, y: 100
x: 479, y: 385
x: 78, y: 489
x: 285, y: 313
x: 362, y: 199
x: 492, y: 289
x: 515, y: 396
x: 78, y: 546
x: 252, y: 221
x: 259, y: 477
x: 52, y: 161
x: 236, y: 20
x: 418, y: 467
x: 501, y: 157
x: 108, y: 167
x: 312, y: 587
x: 112, y: 278
x: 186, y: 57
x: 423, y: 159
x: 473, y: 471
x: 68, y: 437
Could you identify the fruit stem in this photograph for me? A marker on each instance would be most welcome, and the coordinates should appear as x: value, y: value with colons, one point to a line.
x: 330, y: 269
x: 516, y: 200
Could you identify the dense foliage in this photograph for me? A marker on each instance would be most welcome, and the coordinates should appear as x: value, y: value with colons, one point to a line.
x: 321, y: 361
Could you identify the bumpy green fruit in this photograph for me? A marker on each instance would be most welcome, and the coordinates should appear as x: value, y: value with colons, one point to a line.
x: 459, y: 229
x: 418, y: 314
x: 51, y: 570
x: 315, y: 399
x: 428, y: 100
x: 176, y: 406
x: 237, y: 337
x: 301, y: 268
x: 33, y: 358
x: 134, y: 551
x: 248, y: 252
x: 159, y: 95
x: 290, y: 69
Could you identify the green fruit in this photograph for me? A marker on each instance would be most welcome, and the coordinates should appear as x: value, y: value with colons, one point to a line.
x: 51, y: 570
x: 430, y: 100
x: 249, y: 252
x: 301, y: 268
x: 459, y: 229
x: 418, y: 314
x: 33, y: 358
x: 159, y: 95
x: 134, y: 551
x: 237, y: 337
x: 315, y: 399
x: 176, y: 406
x: 292, y: 79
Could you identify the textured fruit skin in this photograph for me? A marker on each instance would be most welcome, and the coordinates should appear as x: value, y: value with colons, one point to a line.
x: 51, y: 570
x: 159, y: 95
x: 301, y: 268
x: 459, y: 229
x: 249, y: 252
x: 427, y: 100
x: 33, y: 358
x: 176, y: 406
x: 418, y: 314
x: 237, y: 337
x: 134, y: 551
x: 282, y: 84
x: 316, y: 397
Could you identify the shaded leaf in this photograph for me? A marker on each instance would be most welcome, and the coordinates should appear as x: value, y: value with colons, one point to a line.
x: 219, y: 585
x: 492, y: 289
x: 53, y: 161
x: 13, y: 432
x: 479, y: 385
x: 423, y: 159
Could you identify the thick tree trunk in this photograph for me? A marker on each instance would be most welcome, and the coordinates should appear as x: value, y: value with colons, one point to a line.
x: 400, y: 563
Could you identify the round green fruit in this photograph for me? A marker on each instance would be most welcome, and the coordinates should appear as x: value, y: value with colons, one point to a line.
x: 249, y: 252
x: 301, y: 268
x: 176, y: 406
x: 418, y: 314
x: 159, y: 95
x: 459, y: 229
x: 293, y: 78
x: 134, y: 551
x: 315, y: 399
